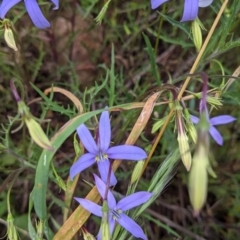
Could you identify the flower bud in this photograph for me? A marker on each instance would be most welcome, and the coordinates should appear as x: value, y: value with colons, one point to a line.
x: 182, y: 138
x: 137, y: 171
x: 9, y: 38
x: 87, y: 235
x: 190, y: 127
x: 184, y: 150
x: 11, y: 229
x: 34, y: 128
x: 215, y: 101
x: 198, y: 179
x: 197, y: 33
x: 76, y: 146
x: 37, y: 134
x: 61, y: 183
x: 158, y: 124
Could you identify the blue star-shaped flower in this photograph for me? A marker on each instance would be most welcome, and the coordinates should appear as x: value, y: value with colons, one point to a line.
x: 190, y: 7
x: 32, y: 8
x: 100, y: 151
x: 116, y: 210
x: 222, y: 119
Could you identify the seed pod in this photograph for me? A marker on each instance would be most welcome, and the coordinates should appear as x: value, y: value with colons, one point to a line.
x: 9, y: 38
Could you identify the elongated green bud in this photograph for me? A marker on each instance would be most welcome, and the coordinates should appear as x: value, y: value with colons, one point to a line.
x: 11, y: 229
x: 158, y: 124
x: 198, y: 179
x: 76, y: 146
x: 189, y: 126
x: 37, y: 134
x: 197, y: 34
x: 137, y: 171
x: 184, y: 150
x: 34, y: 128
x: 87, y: 235
x: 182, y: 138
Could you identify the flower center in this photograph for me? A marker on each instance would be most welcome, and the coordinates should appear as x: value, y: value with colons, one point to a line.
x: 116, y: 214
x: 101, y: 157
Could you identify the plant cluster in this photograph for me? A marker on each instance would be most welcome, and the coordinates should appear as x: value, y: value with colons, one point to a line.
x: 154, y: 125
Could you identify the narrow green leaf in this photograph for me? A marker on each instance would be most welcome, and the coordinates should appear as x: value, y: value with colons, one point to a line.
x: 151, y: 54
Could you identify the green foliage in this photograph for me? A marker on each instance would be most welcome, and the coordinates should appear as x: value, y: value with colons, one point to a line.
x: 121, y: 63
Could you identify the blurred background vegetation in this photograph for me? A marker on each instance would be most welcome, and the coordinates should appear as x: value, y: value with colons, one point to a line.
x: 76, y: 54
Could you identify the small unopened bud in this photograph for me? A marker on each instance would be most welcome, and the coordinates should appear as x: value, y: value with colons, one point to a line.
x: 192, y: 131
x: 11, y: 229
x: 61, y: 183
x: 189, y: 126
x: 34, y: 128
x: 182, y: 138
x: 87, y: 235
x: 9, y: 38
x: 37, y: 134
x: 198, y: 179
x: 158, y: 124
x: 184, y: 150
x: 197, y: 33
x: 214, y: 101
x: 137, y: 171
x: 76, y: 146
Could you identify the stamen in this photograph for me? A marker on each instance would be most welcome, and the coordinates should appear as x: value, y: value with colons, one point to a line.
x: 116, y: 214
x: 101, y: 157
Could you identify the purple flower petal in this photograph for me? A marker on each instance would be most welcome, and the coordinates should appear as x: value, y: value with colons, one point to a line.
x: 131, y: 226
x: 194, y: 119
x: 204, y: 3
x: 190, y: 10
x: 216, y: 135
x: 36, y: 14
x: 222, y: 119
x: 104, y: 131
x: 85, y: 161
x: 6, y: 5
x: 56, y: 3
x: 133, y: 200
x: 101, y: 186
x: 90, y: 206
x: 103, y: 168
x: 157, y: 3
x: 111, y: 223
x: 87, y: 139
x: 127, y: 152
